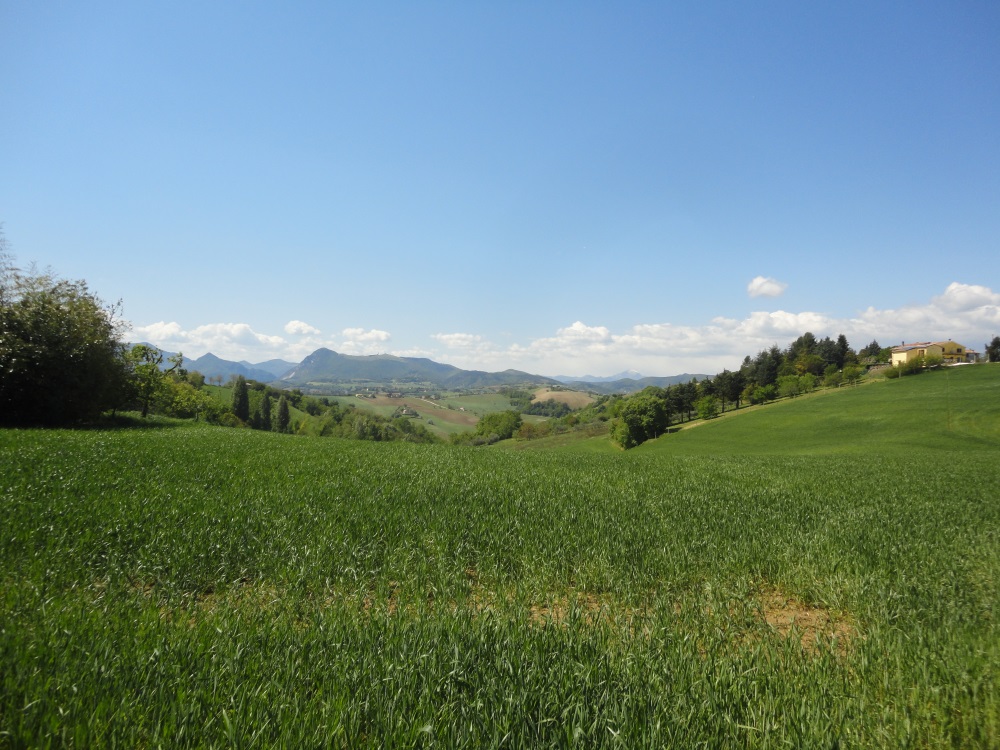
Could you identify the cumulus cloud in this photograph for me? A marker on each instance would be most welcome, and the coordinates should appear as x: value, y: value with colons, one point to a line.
x: 965, y: 313
x: 157, y: 332
x: 360, y: 341
x: 966, y: 297
x: 365, y: 335
x: 458, y: 340
x: 581, y: 332
x: 298, y: 328
x: 226, y: 340
x: 765, y: 286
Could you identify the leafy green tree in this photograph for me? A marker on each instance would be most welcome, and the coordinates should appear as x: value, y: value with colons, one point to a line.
x: 993, y: 350
x: 284, y: 415
x: 241, y: 399
x: 729, y: 386
x: 548, y: 408
x: 788, y: 386
x: 826, y: 349
x: 809, y: 363
x: 644, y: 416
x: 765, y: 367
x: 933, y: 361
x: 832, y: 376
x: 707, y: 407
x: 707, y: 388
x: 853, y: 373
x: 872, y: 350
x: 147, y: 377
x: 178, y: 398
x: 914, y: 367
x: 874, y: 353
x: 502, y: 424
x: 804, y: 344
x: 681, y: 398
x: 153, y: 386
x: 61, y: 351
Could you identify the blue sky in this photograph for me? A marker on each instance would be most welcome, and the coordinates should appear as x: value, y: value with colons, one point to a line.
x: 563, y: 188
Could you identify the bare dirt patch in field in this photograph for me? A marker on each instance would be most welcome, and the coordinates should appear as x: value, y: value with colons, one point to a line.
x: 813, y: 625
x: 559, y: 610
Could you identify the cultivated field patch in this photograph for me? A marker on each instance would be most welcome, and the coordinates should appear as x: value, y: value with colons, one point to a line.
x: 813, y: 625
x: 573, y: 399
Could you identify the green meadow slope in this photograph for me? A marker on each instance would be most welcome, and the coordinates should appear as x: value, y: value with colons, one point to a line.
x: 817, y: 573
x: 955, y: 408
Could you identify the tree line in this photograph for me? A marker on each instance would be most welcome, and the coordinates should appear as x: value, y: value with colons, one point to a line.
x: 64, y: 361
x: 804, y: 365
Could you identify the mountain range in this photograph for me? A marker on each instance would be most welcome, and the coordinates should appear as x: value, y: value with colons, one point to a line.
x: 625, y: 375
x: 325, y: 366
x: 325, y: 369
x: 629, y: 385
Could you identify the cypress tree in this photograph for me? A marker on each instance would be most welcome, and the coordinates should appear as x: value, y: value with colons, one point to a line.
x: 241, y: 400
x: 284, y: 417
x: 265, y: 412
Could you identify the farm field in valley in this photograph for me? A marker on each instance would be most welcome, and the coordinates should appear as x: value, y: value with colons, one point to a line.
x: 573, y: 399
x: 435, y: 414
x: 820, y: 571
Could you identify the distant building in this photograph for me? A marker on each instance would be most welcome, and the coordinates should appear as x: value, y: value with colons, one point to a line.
x: 951, y: 352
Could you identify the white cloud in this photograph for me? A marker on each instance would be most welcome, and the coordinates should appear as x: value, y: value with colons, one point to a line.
x: 359, y: 341
x: 967, y: 313
x: 765, y: 286
x: 364, y: 335
x: 458, y: 340
x: 580, y: 332
x: 966, y: 297
x: 155, y: 333
x: 226, y: 340
x: 298, y: 328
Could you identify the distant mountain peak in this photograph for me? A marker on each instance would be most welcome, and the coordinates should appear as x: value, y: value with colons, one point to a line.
x: 324, y: 368
x: 624, y: 375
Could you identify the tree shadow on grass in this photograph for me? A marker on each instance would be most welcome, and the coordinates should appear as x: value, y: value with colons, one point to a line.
x: 130, y: 421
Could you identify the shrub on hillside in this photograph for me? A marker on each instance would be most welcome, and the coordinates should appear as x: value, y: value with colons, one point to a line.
x: 61, y: 352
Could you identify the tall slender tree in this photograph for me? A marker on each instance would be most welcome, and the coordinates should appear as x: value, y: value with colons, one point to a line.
x: 147, y: 378
x: 265, y: 412
x: 843, y: 349
x: 241, y: 399
x: 284, y: 417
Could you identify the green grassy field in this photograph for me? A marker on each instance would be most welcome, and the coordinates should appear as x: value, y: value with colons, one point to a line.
x: 435, y: 415
x: 478, y: 404
x: 956, y: 408
x: 818, y: 573
x: 454, y: 413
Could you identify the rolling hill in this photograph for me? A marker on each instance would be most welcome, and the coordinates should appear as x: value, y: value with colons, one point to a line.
x: 325, y: 367
x: 955, y: 409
